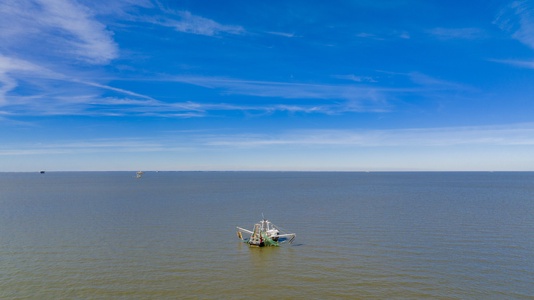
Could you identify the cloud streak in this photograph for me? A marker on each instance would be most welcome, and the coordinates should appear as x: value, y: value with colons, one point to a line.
x: 186, y: 22
x: 93, y: 146
x: 504, y: 135
x: 457, y: 33
x: 11, y: 68
x: 64, y: 32
x: 190, y: 23
x: 354, y: 78
x: 90, y: 39
x: 501, y: 135
x: 83, y: 97
x: 59, y: 27
x: 518, y: 20
x: 374, y: 98
x: 87, y: 40
x: 91, y: 105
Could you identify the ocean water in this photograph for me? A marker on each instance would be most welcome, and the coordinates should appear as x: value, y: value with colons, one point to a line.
x: 171, y: 235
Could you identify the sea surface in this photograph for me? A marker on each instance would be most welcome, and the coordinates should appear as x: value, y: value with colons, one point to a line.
x: 171, y: 235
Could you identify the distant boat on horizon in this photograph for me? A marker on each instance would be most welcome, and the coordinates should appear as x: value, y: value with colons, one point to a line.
x: 139, y: 174
x: 41, y: 172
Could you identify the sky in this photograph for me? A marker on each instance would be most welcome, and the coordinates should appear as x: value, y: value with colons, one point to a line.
x: 362, y: 85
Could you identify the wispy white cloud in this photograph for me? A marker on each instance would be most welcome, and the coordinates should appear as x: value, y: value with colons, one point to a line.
x: 72, y: 97
x: 122, y: 9
x: 94, y: 105
x: 59, y: 28
x: 365, y: 35
x: 284, y: 34
x: 190, y: 23
x: 499, y: 135
x: 43, y: 43
x: 366, y: 96
x: 55, y: 93
x: 503, y: 135
x: 528, y: 64
x: 87, y: 37
x: 457, y: 33
x: 185, y: 21
x: 79, y: 97
x: 435, y: 83
x: 158, y: 14
x: 404, y: 35
x: 85, y: 97
x: 122, y: 145
x: 10, y: 68
x: 290, y: 90
x: 392, y: 35
x: 8, y: 64
x: 518, y: 20
x: 355, y: 78
x: 75, y: 28
x: 107, y: 87
x: 8, y: 84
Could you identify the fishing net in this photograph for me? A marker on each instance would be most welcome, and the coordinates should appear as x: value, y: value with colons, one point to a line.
x: 268, y: 241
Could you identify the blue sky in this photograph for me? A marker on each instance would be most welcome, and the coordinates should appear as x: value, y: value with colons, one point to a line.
x: 266, y: 85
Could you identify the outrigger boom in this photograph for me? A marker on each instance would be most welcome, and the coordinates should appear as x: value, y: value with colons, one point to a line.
x: 265, y: 233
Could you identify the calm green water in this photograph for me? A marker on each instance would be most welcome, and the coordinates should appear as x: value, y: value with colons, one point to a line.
x: 171, y: 235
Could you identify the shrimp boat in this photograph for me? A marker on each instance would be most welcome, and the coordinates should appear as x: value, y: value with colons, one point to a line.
x: 265, y: 233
